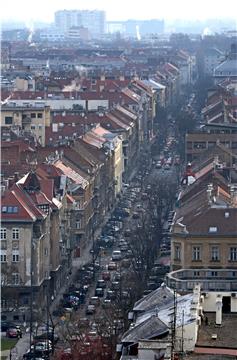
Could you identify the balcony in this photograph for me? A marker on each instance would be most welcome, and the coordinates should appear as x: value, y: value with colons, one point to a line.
x: 210, y: 279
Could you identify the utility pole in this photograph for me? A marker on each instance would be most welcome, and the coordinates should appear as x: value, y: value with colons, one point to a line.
x: 182, y: 335
x: 31, y: 290
x: 173, y: 328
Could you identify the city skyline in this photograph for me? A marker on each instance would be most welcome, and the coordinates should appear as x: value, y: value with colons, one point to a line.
x: 27, y: 11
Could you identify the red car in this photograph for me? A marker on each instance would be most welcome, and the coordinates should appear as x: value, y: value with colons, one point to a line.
x: 106, y: 275
x: 14, y: 333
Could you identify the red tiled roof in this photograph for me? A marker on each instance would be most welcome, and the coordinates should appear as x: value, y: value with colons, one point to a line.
x: 13, y: 198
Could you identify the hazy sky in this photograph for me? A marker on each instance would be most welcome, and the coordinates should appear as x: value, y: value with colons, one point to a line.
x: 28, y: 10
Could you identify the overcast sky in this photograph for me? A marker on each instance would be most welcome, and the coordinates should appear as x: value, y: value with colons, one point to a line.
x: 28, y: 10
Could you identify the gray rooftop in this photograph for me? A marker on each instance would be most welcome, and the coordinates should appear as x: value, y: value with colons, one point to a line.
x: 149, y: 329
x: 156, y: 299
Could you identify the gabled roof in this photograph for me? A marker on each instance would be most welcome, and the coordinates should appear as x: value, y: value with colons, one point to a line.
x: 24, y: 212
x: 71, y: 174
x: 156, y: 299
x: 149, y: 329
x: 201, y: 211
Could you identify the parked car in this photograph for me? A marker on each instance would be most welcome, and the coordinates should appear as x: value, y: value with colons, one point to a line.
x: 90, y: 310
x: 106, y: 303
x: 116, y: 255
x: 94, y: 300
x: 32, y: 355
x: 101, y: 284
x: 14, y: 332
x: 44, y: 336
x: 99, y: 292
x: 135, y: 215
x: 111, y: 295
x: 112, y: 266
x: 106, y: 275
x: 42, y: 347
x: 7, y: 324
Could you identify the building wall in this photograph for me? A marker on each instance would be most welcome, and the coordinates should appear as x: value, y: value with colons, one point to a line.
x: 57, y: 104
x: 190, y: 333
x: 32, y: 120
x: 93, y: 20
x: 206, y: 244
x: 211, y: 62
x: 118, y: 166
x: 196, y: 144
x: 21, y: 246
x: 209, y: 304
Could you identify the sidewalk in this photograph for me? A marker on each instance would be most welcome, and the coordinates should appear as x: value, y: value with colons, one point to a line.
x: 19, y: 349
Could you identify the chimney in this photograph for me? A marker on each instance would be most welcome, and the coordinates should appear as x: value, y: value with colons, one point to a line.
x: 6, y: 183
x: 209, y: 193
x: 233, y: 195
x: 218, y: 310
x: 16, y: 176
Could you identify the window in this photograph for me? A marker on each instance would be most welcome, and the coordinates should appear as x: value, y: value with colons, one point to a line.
x: 3, y: 255
x: 3, y: 233
x: 44, y: 208
x: 15, y: 256
x: 196, y: 273
x: 214, y: 273
x: 15, y: 234
x: 212, y: 229
x: 8, y: 120
x: 39, y: 115
x: 46, y: 251
x: 78, y: 224
x: 177, y: 252
x: 196, y: 253
x: 10, y: 209
x: 15, y: 278
x: 33, y: 115
x: 233, y: 254
x: 215, y: 253
x: 199, y: 145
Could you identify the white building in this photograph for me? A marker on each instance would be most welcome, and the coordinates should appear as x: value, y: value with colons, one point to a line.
x: 212, y: 58
x: 93, y: 20
x: 52, y: 34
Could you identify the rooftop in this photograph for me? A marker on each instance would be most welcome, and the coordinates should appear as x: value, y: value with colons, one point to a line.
x: 226, y: 333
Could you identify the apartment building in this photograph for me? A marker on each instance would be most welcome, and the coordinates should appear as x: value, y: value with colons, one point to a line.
x: 25, y: 119
x: 93, y: 20
x: 31, y: 244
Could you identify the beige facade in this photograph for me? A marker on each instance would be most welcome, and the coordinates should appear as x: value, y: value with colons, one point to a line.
x: 30, y: 120
x: 197, y: 143
x: 189, y: 252
x: 24, y: 84
x: 118, y: 165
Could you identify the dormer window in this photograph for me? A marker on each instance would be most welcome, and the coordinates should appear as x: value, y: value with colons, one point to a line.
x: 212, y: 229
x: 44, y: 208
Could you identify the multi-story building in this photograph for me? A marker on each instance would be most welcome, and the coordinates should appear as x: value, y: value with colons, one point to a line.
x: 199, y: 142
x: 31, y: 244
x: 26, y: 119
x: 93, y: 20
x: 228, y: 68
x: 212, y: 58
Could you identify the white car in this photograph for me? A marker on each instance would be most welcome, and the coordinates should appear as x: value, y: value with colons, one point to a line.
x: 116, y: 255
